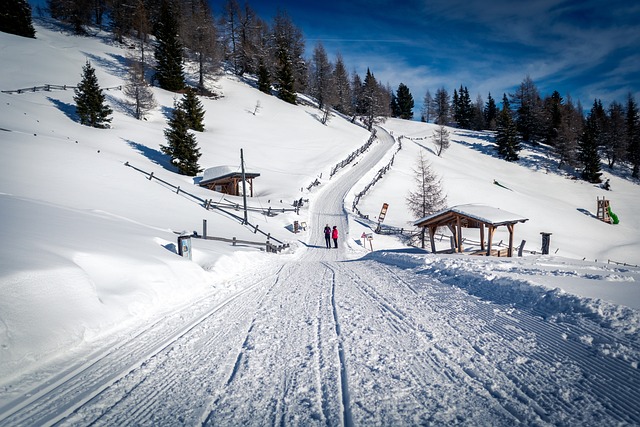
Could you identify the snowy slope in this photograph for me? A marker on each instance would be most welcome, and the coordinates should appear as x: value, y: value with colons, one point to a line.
x: 90, y: 244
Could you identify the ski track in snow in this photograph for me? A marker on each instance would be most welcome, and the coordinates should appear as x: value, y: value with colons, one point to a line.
x: 322, y: 340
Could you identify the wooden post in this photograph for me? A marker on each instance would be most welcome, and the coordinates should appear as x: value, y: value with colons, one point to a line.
x: 459, y: 227
x: 432, y: 233
x: 204, y: 228
x: 521, y: 249
x: 490, y: 239
x: 234, y: 241
x: 510, y: 228
x: 481, y: 236
x: 546, y: 240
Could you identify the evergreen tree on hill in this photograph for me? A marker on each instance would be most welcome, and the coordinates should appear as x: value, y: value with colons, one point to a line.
x: 633, y: 135
x: 264, y: 78
x: 181, y: 146
x: 193, y: 110
x: 168, y: 53
x: 90, y: 101
x: 15, y: 18
x: 404, y: 101
x: 441, y: 104
x: 506, y: 133
x: 588, y: 145
x: 490, y: 113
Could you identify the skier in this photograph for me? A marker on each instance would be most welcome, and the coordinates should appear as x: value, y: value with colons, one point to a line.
x: 334, y: 236
x: 327, y: 236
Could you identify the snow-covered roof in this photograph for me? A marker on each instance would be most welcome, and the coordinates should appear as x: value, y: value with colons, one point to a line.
x: 219, y: 172
x: 482, y: 213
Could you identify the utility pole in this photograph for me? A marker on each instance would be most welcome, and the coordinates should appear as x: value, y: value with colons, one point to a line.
x: 244, y: 187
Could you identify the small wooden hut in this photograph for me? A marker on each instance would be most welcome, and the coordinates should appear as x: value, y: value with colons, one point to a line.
x: 471, y: 216
x: 227, y: 180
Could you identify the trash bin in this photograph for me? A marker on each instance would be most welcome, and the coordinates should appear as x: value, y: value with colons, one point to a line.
x: 184, y: 246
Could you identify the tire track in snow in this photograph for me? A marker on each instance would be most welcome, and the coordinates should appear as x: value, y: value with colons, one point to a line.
x: 607, y: 385
x: 64, y: 394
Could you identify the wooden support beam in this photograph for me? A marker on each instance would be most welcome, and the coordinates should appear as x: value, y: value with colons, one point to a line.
x: 459, y: 226
x: 491, y: 230
x: 510, y: 227
x: 481, y: 236
x: 432, y: 234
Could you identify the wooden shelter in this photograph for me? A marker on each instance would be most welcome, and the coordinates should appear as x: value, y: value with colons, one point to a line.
x: 227, y: 180
x: 471, y: 216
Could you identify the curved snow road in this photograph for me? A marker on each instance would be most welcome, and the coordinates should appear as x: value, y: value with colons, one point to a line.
x: 321, y: 340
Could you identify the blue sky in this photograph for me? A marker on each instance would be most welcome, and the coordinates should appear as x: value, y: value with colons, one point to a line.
x: 587, y: 49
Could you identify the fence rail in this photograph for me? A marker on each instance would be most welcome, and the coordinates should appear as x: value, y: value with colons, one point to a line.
x: 379, y: 175
x: 355, y: 154
x: 50, y: 87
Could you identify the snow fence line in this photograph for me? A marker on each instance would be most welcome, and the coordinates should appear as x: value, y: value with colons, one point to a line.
x: 50, y: 87
x: 207, y: 204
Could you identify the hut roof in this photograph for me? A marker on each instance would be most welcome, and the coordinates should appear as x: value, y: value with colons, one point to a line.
x: 481, y: 213
x: 221, y: 172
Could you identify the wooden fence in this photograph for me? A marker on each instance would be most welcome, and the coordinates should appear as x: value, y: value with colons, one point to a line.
x: 209, y: 204
x: 50, y: 87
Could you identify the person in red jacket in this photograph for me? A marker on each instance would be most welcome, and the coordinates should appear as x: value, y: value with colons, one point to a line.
x: 334, y: 236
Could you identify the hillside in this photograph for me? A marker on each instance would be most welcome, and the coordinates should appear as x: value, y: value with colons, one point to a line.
x: 90, y: 243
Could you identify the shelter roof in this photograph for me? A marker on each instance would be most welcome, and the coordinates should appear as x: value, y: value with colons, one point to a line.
x: 221, y: 172
x: 482, y: 213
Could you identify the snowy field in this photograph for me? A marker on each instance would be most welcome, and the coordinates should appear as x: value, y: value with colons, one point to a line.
x: 102, y: 323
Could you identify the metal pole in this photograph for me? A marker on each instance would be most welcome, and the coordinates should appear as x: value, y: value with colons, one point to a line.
x: 244, y: 187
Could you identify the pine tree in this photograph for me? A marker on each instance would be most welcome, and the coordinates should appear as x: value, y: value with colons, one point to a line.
x: 490, y: 113
x: 615, y: 138
x: 442, y: 107
x: 633, y: 135
x: 264, y: 78
x: 528, y: 107
x: 405, y: 102
x: 286, y: 82
x: 193, y: 110
x: 568, y: 133
x: 168, y: 53
x: 181, y: 145
x: 90, y: 101
x: 477, y: 120
x: 15, y: 18
x: 507, y: 134
x: 553, y: 107
x: 588, y: 145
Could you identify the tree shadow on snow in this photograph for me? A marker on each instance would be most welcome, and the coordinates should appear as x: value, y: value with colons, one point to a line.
x: 69, y: 110
x: 117, y: 66
x: 152, y: 154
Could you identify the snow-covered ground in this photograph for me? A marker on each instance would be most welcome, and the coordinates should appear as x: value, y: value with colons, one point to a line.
x: 102, y: 323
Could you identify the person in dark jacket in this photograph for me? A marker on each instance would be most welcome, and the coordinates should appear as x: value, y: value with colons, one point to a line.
x: 327, y: 236
x: 334, y: 236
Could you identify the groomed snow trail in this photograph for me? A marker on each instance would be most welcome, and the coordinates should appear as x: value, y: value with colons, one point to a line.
x: 318, y: 339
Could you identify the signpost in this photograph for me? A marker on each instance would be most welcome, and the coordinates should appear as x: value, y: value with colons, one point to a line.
x: 184, y: 246
x: 368, y: 237
x: 383, y: 213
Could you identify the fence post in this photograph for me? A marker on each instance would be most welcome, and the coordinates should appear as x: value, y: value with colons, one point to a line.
x: 521, y: 248
x: 150, y: 176
x: 234, y: 241
x: 178, y: 190
x: 204, y: 229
